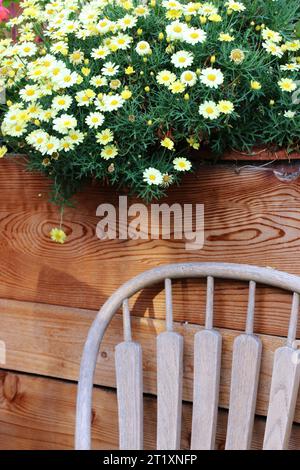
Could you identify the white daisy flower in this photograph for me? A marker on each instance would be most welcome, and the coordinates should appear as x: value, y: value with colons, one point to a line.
x: 121, y: 41
x: 59, y: 47
x: 269, y: 35
x: 292, y: 66
x: 273, y: 48
x: 37, y: 138
x: 211, y: 77
x: 182, y: 164
x: 57, y: 69
x: 110, y: 102
x: 76, y: 57
x: 34, y: 110
x: 127, y: 22
x: 172, y: 5
x: 85, y: 97
x: 100, y: 52
x: 176, y: 30
x: 110, y: 69
x: 50, y: 146
x: 67, y: 79
x: 64, y: 123
x: 292, y: 45
x: 152, y: 176
x: 104, y: 25
x: 47, y: 62
x: 165, y: 77
x: 15, y: 130
x: 61, y: 102
x: 194, y: 36
x: 209, y: 110
x: 69, y: 27
x: 98, y: 81
x: 182, y: 59
x: 143, y: 48
x: 109, y: 151
x: 76, y: 136
x: 287, y: 84
x: 30, y: 93
x: 36, y: 73
x: 141, y: 10
x: 235, y: 6
x: 191, y: 9
x: 27, y: 49
x: 94, y: 120
x: 237, y: 56
x: 105, y: 137
x: 88, y: 14
x: 66, y: 144
x: 188, y: 78
x: 207, y: 9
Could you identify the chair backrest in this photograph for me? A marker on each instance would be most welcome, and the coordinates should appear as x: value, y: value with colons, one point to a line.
x: 246, y: 360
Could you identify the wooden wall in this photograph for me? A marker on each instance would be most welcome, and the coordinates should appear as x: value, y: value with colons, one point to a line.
x: 49, y: 295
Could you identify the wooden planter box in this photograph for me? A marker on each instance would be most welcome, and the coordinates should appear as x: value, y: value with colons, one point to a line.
x: 49, y: 295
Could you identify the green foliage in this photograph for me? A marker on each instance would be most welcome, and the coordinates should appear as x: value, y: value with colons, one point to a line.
x: 144, y: 120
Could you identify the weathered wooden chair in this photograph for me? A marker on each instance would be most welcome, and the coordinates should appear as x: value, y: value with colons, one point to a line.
x: 247, y: 350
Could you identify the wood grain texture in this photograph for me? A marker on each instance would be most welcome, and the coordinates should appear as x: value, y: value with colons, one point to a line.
x: 243, y: 391
x: 169, y: 390
x: 48, y: 340
x: 39, y: 413
x: 129, y: 378
x: 250, y: 217
x: 283, y: 396
x: 207, y: 368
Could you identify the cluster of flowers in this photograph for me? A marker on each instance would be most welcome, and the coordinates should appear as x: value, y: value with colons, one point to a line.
x: 122, y: 89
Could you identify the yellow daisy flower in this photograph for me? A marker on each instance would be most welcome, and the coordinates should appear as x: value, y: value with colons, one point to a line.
x: 57, y: 235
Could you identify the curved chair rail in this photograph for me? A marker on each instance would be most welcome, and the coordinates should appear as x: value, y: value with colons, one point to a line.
x: 239, y: 272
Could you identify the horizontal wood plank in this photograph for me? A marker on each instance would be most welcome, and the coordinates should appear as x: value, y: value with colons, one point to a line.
x: 39, y: 414
x: 48, y: 340
x: 250, y: 217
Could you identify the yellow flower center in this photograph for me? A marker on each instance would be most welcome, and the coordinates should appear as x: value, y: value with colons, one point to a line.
x: 188, y: 76
x: 211, y: 77
x: 177, y: 29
